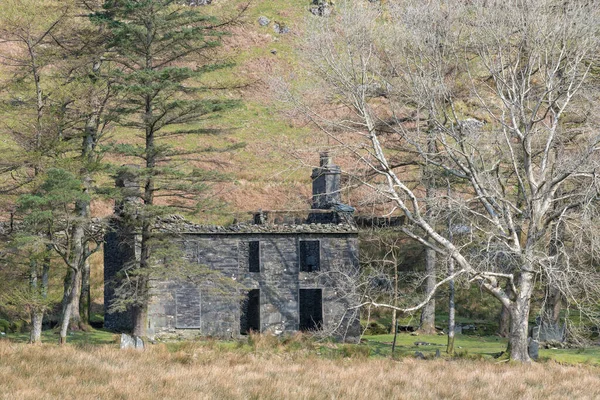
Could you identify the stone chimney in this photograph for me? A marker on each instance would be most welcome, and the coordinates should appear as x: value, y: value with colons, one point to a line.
x: 127, y: 180
x: 326, y: 183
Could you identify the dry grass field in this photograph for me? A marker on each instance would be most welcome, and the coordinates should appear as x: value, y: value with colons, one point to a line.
x: 210, y: 372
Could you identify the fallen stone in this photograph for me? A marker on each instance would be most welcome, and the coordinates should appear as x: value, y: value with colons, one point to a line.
x: 322, y: 10
x: 127, y: 342
x: 533, y: 348
x: 139, y: 343
x: 131, y: 342
x: 280, y: 28
x: 263, y: 21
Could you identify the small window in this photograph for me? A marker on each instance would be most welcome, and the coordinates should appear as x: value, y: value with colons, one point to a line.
x: 254, y: 256
x: 310, y: 255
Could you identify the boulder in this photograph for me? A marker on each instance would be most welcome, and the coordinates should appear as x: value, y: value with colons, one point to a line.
x: 280, y: 28
x: 127, y: 341
x: 139, y: 343
x: 131, y: 342
x: 322, y: 10
x: 263, y: 21
x: 534, y: 349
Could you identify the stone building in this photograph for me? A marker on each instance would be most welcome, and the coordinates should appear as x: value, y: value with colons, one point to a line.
x: 283, y: 272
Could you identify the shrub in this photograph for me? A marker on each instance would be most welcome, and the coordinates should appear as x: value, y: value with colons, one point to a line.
x: 4, y: 326
x: 476, y: 304
x: 374, y: 328
x: 263, y: 341
x: 355, y: 351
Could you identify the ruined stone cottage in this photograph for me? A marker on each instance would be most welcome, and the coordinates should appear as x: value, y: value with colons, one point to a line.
x: 286, y: 270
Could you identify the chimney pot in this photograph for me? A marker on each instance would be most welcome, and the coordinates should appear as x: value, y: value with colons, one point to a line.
x: 326, y: 183
x: 325, y: 159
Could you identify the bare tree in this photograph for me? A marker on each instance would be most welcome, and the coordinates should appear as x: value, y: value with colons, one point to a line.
x: 498, y: 82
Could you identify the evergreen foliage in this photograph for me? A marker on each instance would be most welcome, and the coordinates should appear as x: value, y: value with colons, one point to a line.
x: 152, y: 42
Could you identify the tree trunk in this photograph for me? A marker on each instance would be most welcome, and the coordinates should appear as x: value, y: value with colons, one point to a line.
x: 504, y: 323
x: 67, y: 311
x: 35, y: 336
x: 553, y: 301
x: 140, y: 318
x: 451, y: 305
x: 70, y: 317
x: 75, y: 319
x: 64, y: 325
x: 451, y: 310
x: 427, y: 324
x: 553, y: 306
x: 140, y: 310
x: 39, y: 286
x: 84, y: 299
x: 79, y: 260
x: 394, y: 312
x: 519, y: 315
x: 90, y: 141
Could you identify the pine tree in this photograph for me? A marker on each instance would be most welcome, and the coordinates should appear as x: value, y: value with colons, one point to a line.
x: 57, y: 113
x: 154, y: 41
x: 26, y: 40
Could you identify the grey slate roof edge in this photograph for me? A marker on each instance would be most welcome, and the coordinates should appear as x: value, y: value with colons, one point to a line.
x: 178, y: 224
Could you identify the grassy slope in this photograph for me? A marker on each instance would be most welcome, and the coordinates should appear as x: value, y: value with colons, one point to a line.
x: 267, y: 173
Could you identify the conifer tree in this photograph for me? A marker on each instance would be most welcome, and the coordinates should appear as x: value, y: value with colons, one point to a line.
x: 57, y: 112
x: 26, y: 52
x: 86, y: 115
x: 155, y: 42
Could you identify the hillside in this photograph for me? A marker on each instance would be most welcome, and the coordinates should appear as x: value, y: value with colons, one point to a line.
x: 272, y: 170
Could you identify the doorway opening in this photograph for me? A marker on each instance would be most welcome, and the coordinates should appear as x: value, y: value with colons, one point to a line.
x: 250, y: 315
x: 311, y: 309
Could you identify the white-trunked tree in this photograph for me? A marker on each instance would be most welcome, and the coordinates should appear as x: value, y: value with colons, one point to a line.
x: 501, y: 90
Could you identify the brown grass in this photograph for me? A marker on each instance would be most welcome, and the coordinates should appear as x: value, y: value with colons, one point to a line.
x: 203, y: 372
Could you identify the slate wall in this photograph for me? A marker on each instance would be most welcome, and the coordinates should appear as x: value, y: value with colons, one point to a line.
x: 212, y: 307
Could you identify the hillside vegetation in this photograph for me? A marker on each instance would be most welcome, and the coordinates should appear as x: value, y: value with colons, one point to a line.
x: 272, y: 170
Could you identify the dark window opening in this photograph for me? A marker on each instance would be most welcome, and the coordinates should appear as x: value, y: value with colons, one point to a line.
x: 250, y: 315
x: 254, y: 256
x: 310, y: 256
x: 187, y: 307
x: 311, y: 309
